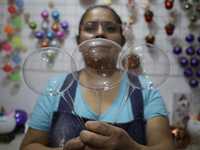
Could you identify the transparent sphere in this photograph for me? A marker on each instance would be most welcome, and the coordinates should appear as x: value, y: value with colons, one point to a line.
x: 97, y: 62
x: 148, y: 63
x: 45, y: 70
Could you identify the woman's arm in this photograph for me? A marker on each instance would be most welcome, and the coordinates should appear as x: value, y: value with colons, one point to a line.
x: 105, y: 136
x: 36, y: 140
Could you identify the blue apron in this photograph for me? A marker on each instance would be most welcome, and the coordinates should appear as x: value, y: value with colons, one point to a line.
x: 65, y: 125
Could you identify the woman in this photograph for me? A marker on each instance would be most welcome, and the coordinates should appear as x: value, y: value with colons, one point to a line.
x: 134, y: 133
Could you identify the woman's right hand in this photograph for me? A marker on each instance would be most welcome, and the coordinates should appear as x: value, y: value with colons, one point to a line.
x: 74, y: 144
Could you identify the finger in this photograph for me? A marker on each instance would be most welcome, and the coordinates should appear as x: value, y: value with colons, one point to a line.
x: 100, y: 127
x: 93, y: 139
x: 74, y: 144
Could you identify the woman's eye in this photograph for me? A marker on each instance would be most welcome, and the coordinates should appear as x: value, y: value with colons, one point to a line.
x: 90, y: 28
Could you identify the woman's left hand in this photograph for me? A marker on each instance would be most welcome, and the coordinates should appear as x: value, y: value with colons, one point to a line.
x: 100, y: 135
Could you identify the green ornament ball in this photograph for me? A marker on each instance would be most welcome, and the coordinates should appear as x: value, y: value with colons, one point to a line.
x: 15, y: 77
x: 16, y: 21
x: 32, y: 25
x: 16, y: 41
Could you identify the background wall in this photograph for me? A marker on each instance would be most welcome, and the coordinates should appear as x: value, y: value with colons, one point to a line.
x: 19, y: 96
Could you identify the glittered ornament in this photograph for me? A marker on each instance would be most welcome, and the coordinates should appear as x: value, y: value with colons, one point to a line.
x: 8, y: 29
x: 32, y: 25
x: 15, y: 77
x: 107, y: 2
x: 169, y: 28
x: 16, y: 59
x: 193, y: 82
x: 19, y: 3
x: 17, y: 21
x: 51, y: 4
x: 55, y: 15
x: 194, y: 62
x: 189, y: 38
x: 181, y: 137
x: 183, y: 61
x: 24, y: 48
x: 190, y: 51
x: 7, y: 47
x: 27, y: 17
x: 188, y: 72
x: 50, y: 35
x: 148, y: 16
x: 177, y: 50
x: 60, y: 34
x: 44, y: 44
x: 55, y: 27
x: 64, y: 25
x: 150, y: 39
x: 16, y: 41
x: 12, y: 9
x: 169, y: 4
x: 7, y: 68
x: 39, y: 35
x: 45, y: 14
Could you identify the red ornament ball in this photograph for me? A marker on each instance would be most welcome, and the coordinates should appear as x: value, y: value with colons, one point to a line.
x: 7, y: 47
x: 148, y: 16
x: 169, y: 29
x: 12, y: 9
x: 169, y: 4
x: 7, y: 68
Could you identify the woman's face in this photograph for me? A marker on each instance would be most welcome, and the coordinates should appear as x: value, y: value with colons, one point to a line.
x: 100, y: 23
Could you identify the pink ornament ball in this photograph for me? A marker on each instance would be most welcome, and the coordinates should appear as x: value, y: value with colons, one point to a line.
x: 45, y: 14
x: 60, y: 34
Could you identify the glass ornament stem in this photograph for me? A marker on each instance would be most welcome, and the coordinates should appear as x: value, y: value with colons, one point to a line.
x: 72, y: 107
x: 97, y: 101
x: 102, y: 103
x: 126, y: 99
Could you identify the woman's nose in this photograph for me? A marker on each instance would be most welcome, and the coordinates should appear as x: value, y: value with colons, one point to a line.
x: 100, y: 33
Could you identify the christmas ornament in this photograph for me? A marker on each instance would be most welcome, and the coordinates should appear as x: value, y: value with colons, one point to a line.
x: 169, y: 4
x: 183, y: 61
x: 7, y: 47
x: 7, y: 68
x: 32, y: 25
x: 27, y: 17
x: 16, y: 41
x: 8, y: 29
x: 45, y: 14
x: 193, y: 18
x: 15, y: 77
x: 148, y: 16
x: 55, y: 15
x: 187, y: 6
x: 16, y: 21
x: 39, y: 35
x: 145, y: 5
x: 12, y: 9
x: 24, y: 47
x: 198, y: 52
x: 181, y: 137
x: 189, y: 38
x: 131, y: 5
x: 51, y: 4
x: 64, y: 25
x: 194, y: 62
x: 188, y: 72
x: 55, y: 27
x: 177, y: 50
x: 19, y: 3
x: 150, y: 39
x: 198, y: 39
x: 45, y: 25
x: 54, y: 43
x: 50, y: 35
x: 194, y: 83
x: 16, y: 59
x: 169, y: 28
x: 60, y: 34
x: 198, y: 73
x: 190, y: 51
x: 133, y: 60
x: 45, y: 44
x: 107, y: 2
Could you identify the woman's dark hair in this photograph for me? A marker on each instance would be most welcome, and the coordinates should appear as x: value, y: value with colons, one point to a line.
x: 118, y: 19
